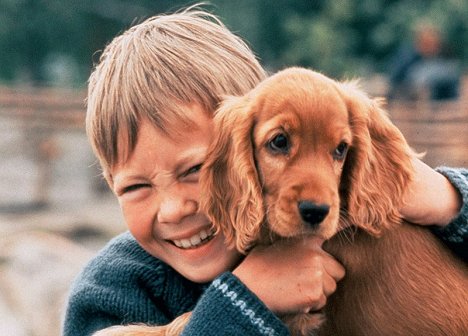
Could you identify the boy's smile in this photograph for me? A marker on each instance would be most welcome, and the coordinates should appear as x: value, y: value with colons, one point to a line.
x: 196, y: 240
x: 158, y: 192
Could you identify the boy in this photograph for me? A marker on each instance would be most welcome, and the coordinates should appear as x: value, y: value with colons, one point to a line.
x: 150, y: 103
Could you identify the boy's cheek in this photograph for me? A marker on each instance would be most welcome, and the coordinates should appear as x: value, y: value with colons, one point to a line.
x: 138, y: 217
x: 141, y: 230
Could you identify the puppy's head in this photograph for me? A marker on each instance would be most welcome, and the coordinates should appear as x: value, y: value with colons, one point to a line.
x: 300, y: 138
x: 280, y: 155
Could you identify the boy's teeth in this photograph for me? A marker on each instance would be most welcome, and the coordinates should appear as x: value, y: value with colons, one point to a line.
x: 195, y: 240
x: 203, y: 234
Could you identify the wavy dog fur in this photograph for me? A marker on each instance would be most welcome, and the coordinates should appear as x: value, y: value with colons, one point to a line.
x: 283, y: 145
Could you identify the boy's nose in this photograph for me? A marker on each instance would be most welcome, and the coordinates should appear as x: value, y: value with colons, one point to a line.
x: 174, y: 209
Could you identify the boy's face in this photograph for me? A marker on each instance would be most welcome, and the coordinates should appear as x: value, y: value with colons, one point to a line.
x: 158, y: 192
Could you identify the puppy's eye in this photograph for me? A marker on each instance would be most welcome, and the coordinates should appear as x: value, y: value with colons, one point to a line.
x: 340, y: 152
x: 279, y: 144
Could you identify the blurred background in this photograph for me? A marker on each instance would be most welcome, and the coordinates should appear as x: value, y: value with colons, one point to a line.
x: 55, y: 210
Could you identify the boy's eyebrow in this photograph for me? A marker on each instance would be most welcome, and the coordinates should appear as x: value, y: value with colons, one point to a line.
x: 124, y: 178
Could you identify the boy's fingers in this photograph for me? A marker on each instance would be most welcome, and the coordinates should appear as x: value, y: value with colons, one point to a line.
x: 333, y: 267
x: 329, y: 287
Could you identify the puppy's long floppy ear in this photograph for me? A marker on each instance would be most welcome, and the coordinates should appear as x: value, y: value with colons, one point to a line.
x: 378, y: 167
x: 231, y: 191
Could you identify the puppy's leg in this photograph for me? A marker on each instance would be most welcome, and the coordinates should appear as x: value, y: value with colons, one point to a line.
x: 173, y: 329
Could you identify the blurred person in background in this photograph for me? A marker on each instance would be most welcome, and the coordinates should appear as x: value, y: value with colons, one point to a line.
x: 425, y: 69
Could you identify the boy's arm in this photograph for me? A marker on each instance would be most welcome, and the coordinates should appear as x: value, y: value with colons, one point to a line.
x: 263, y: 286
x: 228, y: 307
x: 455, y: 234
x: 439, y: 198
x: 127, y: 287
x: 119, y: 286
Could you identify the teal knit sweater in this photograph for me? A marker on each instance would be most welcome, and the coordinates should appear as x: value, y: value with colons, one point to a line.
x: 123, y: 285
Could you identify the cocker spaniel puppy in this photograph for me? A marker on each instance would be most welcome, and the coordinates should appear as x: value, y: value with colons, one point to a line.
x: 303, y: 154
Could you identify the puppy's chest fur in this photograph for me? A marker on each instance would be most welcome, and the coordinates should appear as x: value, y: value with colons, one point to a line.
x: 395, y: 285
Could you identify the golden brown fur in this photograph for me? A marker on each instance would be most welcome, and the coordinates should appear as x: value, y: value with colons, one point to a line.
x: 400, y: 280
x: 173, y: 329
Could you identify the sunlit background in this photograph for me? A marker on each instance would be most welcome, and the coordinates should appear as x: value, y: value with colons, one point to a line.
x: 55, y: 210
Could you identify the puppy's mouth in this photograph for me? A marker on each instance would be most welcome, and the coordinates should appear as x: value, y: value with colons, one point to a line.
x: 198, y: 239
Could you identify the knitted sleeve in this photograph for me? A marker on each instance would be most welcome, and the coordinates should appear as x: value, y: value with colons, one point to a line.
x: 229, y: 308
x: 125, y: 285
x: 455, y: 234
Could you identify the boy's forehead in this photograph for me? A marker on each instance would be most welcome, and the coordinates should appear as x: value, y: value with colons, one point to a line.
x: 173, y: 124
x: 183, y: 118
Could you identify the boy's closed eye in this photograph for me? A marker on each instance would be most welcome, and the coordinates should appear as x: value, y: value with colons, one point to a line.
x: 133, y: 187
x: 189, y: 175
x: 192, y: 170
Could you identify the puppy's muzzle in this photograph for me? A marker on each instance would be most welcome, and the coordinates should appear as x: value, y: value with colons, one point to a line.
x: 313, y: 213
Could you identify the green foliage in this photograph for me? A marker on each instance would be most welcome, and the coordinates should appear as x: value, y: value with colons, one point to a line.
x: 358, y: 36
x: 56, y: 41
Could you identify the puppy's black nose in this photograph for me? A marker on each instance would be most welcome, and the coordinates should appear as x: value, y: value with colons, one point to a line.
x: 313, y: 213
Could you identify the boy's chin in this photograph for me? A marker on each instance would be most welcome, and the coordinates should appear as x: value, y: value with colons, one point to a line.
x: 209, y: 272
x: 201, y: 278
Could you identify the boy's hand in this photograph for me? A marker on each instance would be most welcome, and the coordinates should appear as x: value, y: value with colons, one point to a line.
x: 431, y: 199
x: 293, y: 276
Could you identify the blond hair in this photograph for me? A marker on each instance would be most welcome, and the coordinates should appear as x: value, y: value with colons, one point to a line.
x: 156, y: 67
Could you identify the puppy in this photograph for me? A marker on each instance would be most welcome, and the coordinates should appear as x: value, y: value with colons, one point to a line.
x: 302, y: 154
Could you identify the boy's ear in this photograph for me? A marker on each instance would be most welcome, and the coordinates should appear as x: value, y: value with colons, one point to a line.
x: 378, y: 167
x: 231, y: 193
